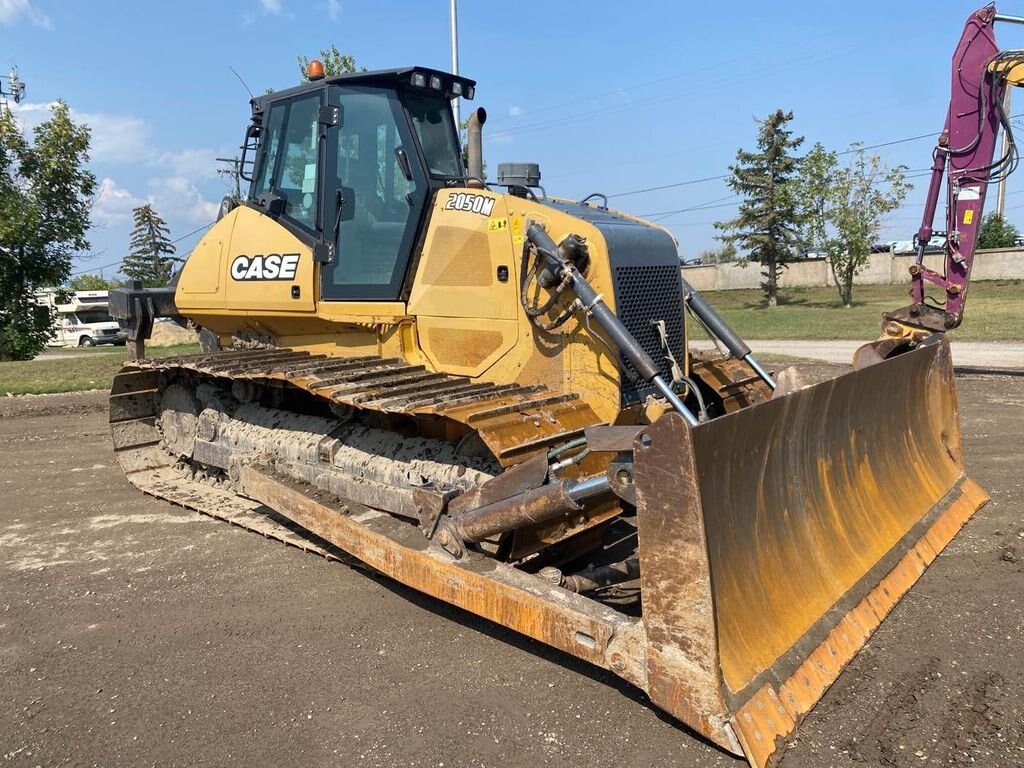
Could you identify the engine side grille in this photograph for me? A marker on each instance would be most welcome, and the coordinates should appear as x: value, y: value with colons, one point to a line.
x: 644, y: 293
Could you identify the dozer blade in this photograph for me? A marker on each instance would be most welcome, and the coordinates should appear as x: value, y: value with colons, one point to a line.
x: 773, y: 541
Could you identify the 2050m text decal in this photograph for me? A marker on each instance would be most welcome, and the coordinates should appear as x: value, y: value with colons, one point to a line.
x: 273, y: 266
x: 463, y: 201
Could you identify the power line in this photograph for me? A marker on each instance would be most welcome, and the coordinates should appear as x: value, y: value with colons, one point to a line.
x: 849, y: 151
x: 662, y: 215
x: 759, y: 55
x: 730, y: 79
x: 119, y: 261
x: 670, y: 186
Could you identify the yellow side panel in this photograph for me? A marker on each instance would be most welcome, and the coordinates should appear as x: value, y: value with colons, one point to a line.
x: 458, y: 272
x: 361, y: 311
x: 208, y: 279
x: 465, y: 293
x: 257, y: 235
x: 456, y: 346
x: 201, y: 283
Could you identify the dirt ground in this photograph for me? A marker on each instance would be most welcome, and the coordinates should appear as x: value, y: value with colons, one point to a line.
x: 133, y: 632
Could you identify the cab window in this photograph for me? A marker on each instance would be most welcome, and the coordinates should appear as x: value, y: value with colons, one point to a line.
x: 435, y: 128
x: 296, y: 178
x: 374, y: 240
x: 272, y: 144
x: 288, y: 167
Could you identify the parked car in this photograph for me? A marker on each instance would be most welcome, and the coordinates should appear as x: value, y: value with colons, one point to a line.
x: 809, y: 254
x: 937, y: 243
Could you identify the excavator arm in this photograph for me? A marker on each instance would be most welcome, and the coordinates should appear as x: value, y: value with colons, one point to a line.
x: 965, y: 158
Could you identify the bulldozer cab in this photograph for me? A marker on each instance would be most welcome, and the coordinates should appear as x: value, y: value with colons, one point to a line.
x: 349, y: 165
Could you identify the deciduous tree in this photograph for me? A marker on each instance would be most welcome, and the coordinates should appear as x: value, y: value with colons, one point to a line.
x: 335, y: 63
x: 45, y: 198
x: 997, y: 232
x: 89, y: 282
x: 843, y: 207
x: 766, y: 226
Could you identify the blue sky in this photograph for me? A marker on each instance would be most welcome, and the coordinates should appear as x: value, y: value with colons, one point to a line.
x: 607, y: 96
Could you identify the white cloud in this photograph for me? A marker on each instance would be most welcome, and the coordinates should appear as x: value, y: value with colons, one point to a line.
x: 115, y: 138
x: 13, y: 11
x: 113, y: 204
x: 127, y: 139
x: 265, y: 8
x: 515, y: 111
x: 177, y: 198
x: 333, y: 9
x: 195, y: 164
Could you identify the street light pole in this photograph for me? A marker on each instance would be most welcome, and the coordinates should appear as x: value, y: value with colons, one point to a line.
x: 455, y: 56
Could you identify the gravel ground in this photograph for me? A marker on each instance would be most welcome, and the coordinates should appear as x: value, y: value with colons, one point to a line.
x: 133, y: 632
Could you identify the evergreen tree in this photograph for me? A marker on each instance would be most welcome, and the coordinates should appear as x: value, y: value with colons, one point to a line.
x: 45, y: 198
x: 768, y: 219
x: 150, y: 258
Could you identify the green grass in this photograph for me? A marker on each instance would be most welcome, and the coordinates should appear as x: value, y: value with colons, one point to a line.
x: 994, y: 312
x: 82, y: 369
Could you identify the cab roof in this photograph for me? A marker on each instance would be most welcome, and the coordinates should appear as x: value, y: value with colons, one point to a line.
x: 400, y: 77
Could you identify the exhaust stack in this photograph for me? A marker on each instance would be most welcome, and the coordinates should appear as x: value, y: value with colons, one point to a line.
x: 475, y: 147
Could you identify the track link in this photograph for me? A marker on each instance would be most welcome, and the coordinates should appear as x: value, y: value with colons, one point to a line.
x: 514, y: 422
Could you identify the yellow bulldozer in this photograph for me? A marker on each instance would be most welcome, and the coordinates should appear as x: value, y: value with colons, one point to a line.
x: 488, y: 394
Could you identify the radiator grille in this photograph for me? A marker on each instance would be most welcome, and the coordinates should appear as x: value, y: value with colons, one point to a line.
x: 642, y: 294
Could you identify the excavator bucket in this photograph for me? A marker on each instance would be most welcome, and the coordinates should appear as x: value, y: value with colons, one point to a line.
x: 774, y: 540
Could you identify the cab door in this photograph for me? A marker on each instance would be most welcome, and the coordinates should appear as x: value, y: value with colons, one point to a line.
x: 270, y: 258
x: 376, y: 195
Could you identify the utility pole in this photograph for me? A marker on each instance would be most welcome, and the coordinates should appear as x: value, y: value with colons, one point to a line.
x: 234, y: 171
x: 1001, y: 189
x: 455, y: 58
x: 16, y: 87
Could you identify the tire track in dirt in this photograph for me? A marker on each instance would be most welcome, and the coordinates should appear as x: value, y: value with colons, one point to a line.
x: 882, y: 740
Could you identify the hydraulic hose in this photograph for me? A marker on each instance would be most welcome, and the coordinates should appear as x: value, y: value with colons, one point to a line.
x: 714, y: 323
x: 610, y: 324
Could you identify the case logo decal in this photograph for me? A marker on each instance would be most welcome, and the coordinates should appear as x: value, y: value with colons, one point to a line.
x: 273, y: 266
x: 467, y: 201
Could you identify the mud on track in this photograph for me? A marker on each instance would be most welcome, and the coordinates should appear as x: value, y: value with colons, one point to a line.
x: 133, y: 632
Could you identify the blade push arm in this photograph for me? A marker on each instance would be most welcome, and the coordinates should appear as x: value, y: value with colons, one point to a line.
x: 965, y: 156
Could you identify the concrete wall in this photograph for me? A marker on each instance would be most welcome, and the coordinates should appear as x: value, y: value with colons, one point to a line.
x: 881, y: 269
